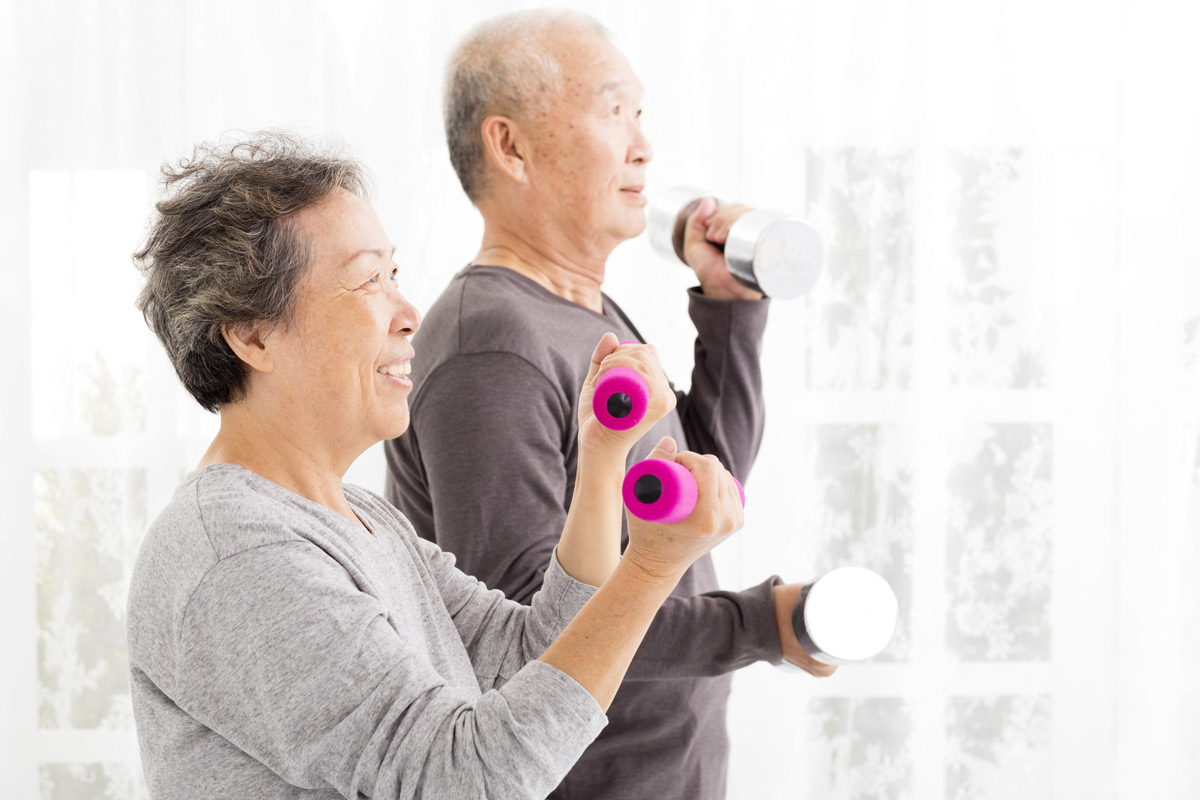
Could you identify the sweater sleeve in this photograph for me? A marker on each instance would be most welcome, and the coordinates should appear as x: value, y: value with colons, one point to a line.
x: 723, y: 412
x: 501, y: 636
x: 284, y: 656
x: 493, y: 437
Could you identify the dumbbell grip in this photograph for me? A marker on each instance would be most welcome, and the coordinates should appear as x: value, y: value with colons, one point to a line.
x: 677, y: 234
x: 674, y: 495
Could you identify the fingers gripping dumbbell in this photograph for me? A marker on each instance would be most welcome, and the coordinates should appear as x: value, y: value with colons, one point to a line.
x: 621, y: 397
x: 663, y: 491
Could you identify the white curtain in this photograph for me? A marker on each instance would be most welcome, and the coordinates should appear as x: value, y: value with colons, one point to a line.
x: 992, y: 397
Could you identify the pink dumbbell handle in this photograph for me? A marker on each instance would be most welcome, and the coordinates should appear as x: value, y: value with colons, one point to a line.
x: 663, y: 491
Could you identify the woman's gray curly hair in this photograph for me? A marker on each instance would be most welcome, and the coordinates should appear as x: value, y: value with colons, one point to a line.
x: 224, y: 250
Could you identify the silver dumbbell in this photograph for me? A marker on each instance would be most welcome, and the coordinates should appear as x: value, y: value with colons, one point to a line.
x: 846, y: 615
x: 774, y: 253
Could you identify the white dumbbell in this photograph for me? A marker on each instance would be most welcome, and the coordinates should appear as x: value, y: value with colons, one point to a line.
x: 846, y: 615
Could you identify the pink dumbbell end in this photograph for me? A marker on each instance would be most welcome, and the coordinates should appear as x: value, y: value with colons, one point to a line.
x: 621, y: 398
x: 659, y: 491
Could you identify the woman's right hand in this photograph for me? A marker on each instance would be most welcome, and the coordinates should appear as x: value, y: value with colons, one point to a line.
x: 666, y: 551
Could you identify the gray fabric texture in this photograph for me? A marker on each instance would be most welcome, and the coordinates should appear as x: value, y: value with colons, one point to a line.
x: 487, y: 469
x: 279, y: 650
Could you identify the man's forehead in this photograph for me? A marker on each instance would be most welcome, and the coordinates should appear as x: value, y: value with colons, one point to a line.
x: 592, y: 58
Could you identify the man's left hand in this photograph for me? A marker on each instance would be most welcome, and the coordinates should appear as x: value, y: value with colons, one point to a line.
x: 786, y: 596
x: 707, y: 227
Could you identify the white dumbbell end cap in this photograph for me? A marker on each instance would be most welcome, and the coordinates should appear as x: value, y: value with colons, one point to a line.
x: 849, y: 615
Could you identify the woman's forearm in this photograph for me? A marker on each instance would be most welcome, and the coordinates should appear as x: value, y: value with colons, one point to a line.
x: 590, y: 545
x: 598, y: 645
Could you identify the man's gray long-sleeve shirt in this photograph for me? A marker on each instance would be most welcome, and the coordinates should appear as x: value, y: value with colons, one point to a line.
x: 487, y: 470
x: 278, y: 650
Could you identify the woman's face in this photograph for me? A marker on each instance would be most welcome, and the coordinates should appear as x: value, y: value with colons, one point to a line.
x: 341, y: 363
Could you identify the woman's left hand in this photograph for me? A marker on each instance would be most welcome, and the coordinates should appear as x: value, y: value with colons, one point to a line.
x: 642, y: 358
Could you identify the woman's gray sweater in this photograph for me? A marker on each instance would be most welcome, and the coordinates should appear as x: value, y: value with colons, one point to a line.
x: 279, y: 650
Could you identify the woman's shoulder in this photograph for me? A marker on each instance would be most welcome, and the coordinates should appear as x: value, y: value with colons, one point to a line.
x: 380, y: 515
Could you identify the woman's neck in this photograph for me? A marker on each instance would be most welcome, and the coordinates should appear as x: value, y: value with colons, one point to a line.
x: 251, y: 441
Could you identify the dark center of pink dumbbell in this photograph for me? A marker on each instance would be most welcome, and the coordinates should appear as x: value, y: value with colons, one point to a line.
x: 620, y: 405
x: 648, y: 489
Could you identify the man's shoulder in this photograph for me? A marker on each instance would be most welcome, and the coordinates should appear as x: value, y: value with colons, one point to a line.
x: 493, y: 310
x: 502, y: 310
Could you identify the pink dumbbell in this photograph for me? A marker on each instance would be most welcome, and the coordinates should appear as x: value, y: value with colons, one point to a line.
x: 662, y: 491
x: 621, y: 397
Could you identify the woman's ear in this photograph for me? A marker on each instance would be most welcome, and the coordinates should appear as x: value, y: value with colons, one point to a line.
x: 504, y: 145
x: 248, y: 342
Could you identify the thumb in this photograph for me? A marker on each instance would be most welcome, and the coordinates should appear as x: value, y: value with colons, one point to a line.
x: 697, y: 227
x: 707, y: 207
x: 608, y: 343
x: 665, y: 449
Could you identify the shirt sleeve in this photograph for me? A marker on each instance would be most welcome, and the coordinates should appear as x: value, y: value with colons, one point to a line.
x: 723, y: 413
x: 284, y: 656
x: 490, y: 429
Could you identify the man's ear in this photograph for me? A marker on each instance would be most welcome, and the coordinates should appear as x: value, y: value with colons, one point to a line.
x: 248, y: 342
x: 505, y: 146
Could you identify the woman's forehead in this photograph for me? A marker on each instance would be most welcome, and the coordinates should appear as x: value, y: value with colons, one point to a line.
x: 344, y: 229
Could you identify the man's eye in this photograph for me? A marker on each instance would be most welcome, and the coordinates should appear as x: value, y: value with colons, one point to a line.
x: 374, y: 278
x: 395, y: 272
x: 616, y: 110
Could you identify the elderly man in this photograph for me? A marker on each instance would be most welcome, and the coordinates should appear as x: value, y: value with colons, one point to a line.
x: 542, y: 120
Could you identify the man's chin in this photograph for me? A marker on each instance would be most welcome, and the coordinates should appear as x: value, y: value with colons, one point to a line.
x: 636, y: 225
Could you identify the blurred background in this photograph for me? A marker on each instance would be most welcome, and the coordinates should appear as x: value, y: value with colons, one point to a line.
x: 992, y: 397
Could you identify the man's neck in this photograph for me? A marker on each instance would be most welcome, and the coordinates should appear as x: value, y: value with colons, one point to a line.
x: 571, y: 277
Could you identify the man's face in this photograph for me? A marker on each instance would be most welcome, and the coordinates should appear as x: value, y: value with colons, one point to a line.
x: 588, y: 162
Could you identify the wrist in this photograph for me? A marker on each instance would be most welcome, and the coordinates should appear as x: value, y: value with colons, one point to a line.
x: 649, y: 570
x: 724, y: 293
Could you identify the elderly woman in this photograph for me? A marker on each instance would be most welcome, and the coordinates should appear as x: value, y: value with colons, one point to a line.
x: 289, y: 635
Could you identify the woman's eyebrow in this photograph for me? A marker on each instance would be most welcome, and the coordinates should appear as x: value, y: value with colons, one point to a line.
x: 374, y: 252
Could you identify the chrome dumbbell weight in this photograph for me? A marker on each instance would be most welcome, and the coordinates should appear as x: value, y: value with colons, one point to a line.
x: 775, y: 253
x: 846, y: 615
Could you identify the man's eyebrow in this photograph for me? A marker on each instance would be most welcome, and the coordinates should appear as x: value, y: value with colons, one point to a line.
x: 611, y: 86
x: 369, y: 252
x: 617, y: 86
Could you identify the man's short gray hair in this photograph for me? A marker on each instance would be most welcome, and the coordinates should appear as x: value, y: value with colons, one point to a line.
x: 501, y: 67
x: 224, y: 249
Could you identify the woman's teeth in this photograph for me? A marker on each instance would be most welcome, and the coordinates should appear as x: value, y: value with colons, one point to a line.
x: 396, y: 369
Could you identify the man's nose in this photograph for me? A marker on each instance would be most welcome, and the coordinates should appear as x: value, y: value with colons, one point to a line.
x: 640, y: 151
